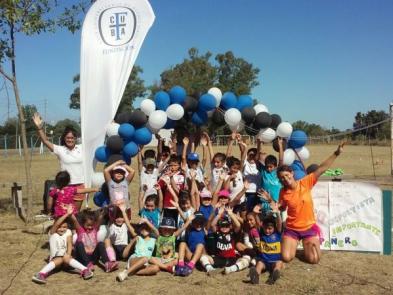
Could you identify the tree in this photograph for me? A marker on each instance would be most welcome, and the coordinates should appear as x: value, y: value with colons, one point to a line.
x: 135, y: 88
x: 59, y: 127
x: 379, y: 131
x: 195, y: 74
x: 235, y: 74
x: 30, y: 18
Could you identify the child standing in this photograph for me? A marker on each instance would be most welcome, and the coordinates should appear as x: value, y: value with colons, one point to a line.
x: 60, y: 245
x: 63, y: 194
x: 269, y: 249
x: 118, y: 176
x: 149, y: 209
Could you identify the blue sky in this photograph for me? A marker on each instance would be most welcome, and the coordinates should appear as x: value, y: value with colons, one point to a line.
x: 320, y: 61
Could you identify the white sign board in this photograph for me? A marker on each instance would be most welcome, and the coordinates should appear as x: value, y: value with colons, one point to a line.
x: 350, y: 215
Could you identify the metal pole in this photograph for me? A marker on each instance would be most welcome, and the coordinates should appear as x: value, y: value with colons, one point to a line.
x: 391, y: 138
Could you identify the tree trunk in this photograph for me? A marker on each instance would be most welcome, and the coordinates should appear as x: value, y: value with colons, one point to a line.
x: 22, y: 121
x: 26, y: 154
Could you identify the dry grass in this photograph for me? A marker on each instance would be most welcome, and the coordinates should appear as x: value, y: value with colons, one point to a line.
x: 338, y: 272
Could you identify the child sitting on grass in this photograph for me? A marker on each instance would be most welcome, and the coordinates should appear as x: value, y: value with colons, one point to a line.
x: 144, y: 247
x: 60, y: 246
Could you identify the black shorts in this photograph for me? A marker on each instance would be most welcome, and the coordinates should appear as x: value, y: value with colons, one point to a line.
x: 219, y: 262
x: 119, y: 251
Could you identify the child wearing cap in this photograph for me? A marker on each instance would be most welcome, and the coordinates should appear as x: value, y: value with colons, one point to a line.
x: 165, y: 257
x: 190, y: 163
x: 194, y: 246
x: 269, y: 248
x: 118, y: 176
x: 225, y: 254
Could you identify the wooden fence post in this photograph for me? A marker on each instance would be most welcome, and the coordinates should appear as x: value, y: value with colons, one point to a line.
x: 17, y: 201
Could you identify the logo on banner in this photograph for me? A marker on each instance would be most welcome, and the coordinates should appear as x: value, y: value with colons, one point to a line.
x: 117, y: 25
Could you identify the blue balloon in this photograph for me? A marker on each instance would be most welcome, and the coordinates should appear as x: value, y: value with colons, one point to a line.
x: 101, y: 200
x: 207, y: 102
x: 169, y: 124
x: 298, y: 139
x: 162, y: 100
x: 228, y: 100
x: 126, y: 131
x: 298, y: 170
x: 244, y: 101
x: 130, y: 149
x: 178, y: 94
x: 199, y: 118
x: 102, y: 154
x: 142, y: 136
x: 126, y: 158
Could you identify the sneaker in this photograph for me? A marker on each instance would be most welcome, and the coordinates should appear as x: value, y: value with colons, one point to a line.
x: 179, y: 270
x: 39, y: 278
x: 274, y: 276
x: 211, y: 271
x: 86, y: 274
x: 121, y: 276
x: 111, y: 266
x: 186, y: 271
x: 253, y: 262
x: 254, y: 275
x: 90, y: 266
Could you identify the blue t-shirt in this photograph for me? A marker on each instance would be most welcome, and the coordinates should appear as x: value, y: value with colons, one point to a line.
x: 152, y: 216
x: 206, y: 210
x: 195, y: 237
x: 270, y: 183
x: 270, y: 247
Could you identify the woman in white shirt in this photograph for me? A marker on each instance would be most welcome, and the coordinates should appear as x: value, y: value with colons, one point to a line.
x: 69, y: 154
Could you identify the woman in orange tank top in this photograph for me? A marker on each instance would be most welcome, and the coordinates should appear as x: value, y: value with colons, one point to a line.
x: 296, y: 198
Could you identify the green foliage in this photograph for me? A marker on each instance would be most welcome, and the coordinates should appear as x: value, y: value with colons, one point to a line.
x: 62, y: 124
x: 313, y: 129
x: 235, y: 74
x: 135, y: 88
x: 35, y: 17
x: 381, y: 131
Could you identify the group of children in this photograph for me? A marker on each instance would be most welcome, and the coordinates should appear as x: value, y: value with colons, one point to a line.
x: 226, y: 220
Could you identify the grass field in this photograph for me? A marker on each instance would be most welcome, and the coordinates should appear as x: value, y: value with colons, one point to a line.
x: 339, y: 272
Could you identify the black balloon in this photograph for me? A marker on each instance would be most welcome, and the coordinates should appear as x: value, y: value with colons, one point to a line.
x: 248, y: 115
x: 138, y: 118
x: 123, y: 118
x: 251, y: 129
x: 276, y: 120
x: 190, y: 104
x: 218, y: 118
x: 310, y: 169
x: 262, y: 120
x: 113, y: 158
x: 115, y: 144
x: 276, y: 147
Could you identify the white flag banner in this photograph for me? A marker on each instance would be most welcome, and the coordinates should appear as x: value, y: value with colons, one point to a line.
x: 112, y: 35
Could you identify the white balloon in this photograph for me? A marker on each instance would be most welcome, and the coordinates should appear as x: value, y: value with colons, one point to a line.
x: 97, y: 179
x: 288, y: 157
x: 233, y: 117
x: 267, y: 135
x: 153, y: 130
x: 148, y: 106
x: 216, y: 92
x: 259, y: 108
x: 284, y: 129
x: 175, y: 111
x: 157, y: 119
x: 113, y: 129
x: 303, y: 153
